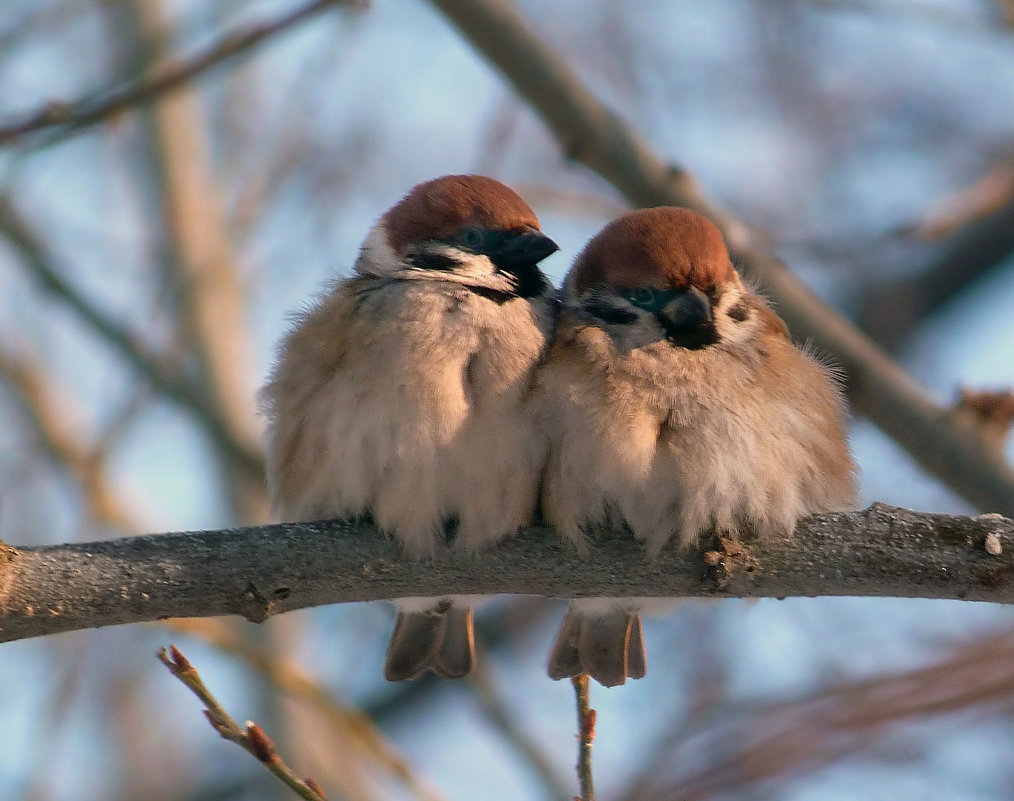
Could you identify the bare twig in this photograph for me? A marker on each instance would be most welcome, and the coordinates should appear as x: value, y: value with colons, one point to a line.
x: 585, y: 737
x: 85, y: 112
x: 351, y: 724
x: 591, y: 134
x: 262, y: 571
x: 252, y: 738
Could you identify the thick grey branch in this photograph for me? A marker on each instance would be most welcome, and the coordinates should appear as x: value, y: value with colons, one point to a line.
x: 588, y: 132
x: 262, y: 571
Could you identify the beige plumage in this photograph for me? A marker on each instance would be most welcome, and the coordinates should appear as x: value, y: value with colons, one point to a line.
x: 676, y: 405
x: 403, y: 393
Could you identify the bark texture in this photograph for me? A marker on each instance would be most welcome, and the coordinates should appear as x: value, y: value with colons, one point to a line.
x: 262, y: 571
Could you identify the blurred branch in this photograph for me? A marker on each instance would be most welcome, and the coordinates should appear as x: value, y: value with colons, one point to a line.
x: 983, y: 198
x: 45, y: 19
x: 781, y: 740
x: 498, y: 713
x: 162, y: 376
x: 589, y: 133
x: 891, y: 311
x: 49, y: 418
x: 204, y: 261
x: 993, y: 411
x: 263, y: 571
x: 929, y: 13
x: 252, y: 738
x: 85, y: 112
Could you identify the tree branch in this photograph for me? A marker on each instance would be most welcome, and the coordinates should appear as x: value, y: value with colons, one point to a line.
x: 251, y: 738
x: 266, y: 570
x: 90, y: 111
x: 203, y: 259
x: 590, y: 133
x: 891, y: 312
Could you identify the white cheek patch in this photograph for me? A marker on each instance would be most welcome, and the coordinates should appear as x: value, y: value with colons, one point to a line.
x: 470, y: 269
x: 376, y: 256
x: 731, y: 330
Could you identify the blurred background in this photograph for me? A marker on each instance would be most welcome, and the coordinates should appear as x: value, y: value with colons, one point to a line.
x: 150, y: 257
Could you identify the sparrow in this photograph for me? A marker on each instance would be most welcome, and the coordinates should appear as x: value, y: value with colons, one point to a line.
x: 403, y: 394
x: 676, y: 406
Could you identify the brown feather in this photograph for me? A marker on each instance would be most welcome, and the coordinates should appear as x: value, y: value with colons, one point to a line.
x: 664, y: 248
x: 438, y: 208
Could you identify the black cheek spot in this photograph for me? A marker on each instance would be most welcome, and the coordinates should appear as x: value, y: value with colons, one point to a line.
x: 739, y: 312
x: 433, y: 261
x: 608, y: 313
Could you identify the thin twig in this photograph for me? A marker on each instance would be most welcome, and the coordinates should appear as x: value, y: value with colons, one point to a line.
x: 590, y: 133
x: 261, y: 571
x: 252, y: 738
x: 85, y: 112
x: 351, y: 723
x: 585, y: 737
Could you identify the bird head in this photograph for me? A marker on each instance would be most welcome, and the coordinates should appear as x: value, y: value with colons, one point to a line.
x: 466, y: 229
x: 663, y: 273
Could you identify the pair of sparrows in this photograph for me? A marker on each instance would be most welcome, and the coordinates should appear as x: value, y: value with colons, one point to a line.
x: 448, y: 383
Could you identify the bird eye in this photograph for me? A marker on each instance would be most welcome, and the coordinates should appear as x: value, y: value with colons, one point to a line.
x: 642, y: 296
x: 472, y: 237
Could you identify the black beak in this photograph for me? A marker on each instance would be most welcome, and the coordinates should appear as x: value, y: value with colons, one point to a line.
x: 688, y: 319
x: 688, y: 310
x: 523, y: 250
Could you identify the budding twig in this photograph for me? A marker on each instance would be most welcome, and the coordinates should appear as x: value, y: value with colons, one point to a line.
x: 252, y: 737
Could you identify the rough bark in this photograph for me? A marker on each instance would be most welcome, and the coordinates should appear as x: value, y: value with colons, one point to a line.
x: 263, y: 571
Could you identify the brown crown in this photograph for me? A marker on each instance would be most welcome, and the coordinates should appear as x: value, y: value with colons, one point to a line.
x: 664, y: 248
x: 438, y: 208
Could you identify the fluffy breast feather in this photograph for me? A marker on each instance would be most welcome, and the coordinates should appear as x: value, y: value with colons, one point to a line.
x: 676, y: 442
x: 409, y: 400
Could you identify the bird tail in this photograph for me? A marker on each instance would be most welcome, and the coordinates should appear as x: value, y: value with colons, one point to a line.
x: 439, y: 639
x: 605, y: 643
